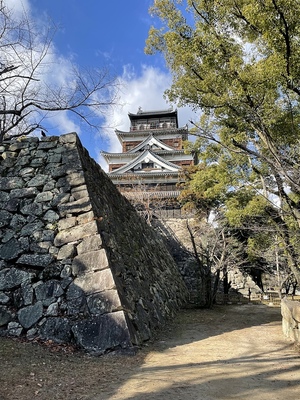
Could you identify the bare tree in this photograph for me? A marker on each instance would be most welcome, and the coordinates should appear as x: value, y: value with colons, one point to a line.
x: 148, y: 200
x: 218, y: 252
x: 27, y: 96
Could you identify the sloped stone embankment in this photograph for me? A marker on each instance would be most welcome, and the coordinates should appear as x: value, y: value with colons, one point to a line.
x: 77, y: 264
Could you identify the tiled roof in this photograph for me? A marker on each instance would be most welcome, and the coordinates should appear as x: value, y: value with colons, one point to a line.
x: 143, y: 156
x: 150, y: 113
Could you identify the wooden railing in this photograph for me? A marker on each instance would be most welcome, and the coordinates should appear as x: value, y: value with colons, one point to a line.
x: 150, y: 195
x: 161, y: 125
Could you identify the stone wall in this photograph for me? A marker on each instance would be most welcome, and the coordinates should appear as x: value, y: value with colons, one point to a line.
x: 77, y: 263
x: 290, y: 312
x: 177, y: 238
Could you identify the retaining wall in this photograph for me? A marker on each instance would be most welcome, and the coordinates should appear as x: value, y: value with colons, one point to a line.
x: 290, y: 311
x: 77, y: 263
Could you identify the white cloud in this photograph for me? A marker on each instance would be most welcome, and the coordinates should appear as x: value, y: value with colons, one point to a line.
x: 60, y: 123
x: 52, y: 68
x: 145, y: 90
x: 57, y: 74
x: 139, y: 88
x: 18, y: 6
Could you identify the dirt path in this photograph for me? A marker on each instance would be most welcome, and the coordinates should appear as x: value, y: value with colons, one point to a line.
x: 230, y: 352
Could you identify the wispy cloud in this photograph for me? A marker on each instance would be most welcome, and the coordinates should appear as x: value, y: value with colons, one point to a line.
x: 18, y: 6
x: 141, y: 86
x: 52, y: 70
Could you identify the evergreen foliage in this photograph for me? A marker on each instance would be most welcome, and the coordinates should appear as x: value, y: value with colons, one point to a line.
x: 238, y: 62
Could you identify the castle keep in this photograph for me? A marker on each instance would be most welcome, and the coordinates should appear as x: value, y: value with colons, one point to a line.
x: 152, y: 157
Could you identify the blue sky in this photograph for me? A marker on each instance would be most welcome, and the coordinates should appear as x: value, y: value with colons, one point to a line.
x: 112, y: 33
x: 97, y: 31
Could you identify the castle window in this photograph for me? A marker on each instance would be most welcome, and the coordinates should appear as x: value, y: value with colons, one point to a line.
x: 147, y: 165
x: 129, y: 146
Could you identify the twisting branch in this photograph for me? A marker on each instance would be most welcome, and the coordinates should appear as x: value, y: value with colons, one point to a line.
x: 27, y: 95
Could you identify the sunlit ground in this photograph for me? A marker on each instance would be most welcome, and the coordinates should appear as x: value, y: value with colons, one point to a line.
x: 255, y: 362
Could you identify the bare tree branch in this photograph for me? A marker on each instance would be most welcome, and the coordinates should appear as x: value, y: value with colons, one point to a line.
x: 27, y: 93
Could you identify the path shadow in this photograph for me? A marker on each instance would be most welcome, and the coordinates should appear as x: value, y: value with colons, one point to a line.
x: 198, y: 324
x: 265, y: 372
x: 262, y: 373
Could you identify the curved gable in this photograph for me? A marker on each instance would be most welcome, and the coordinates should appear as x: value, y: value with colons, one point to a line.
x: 147, y: 162
x: 151, y: 143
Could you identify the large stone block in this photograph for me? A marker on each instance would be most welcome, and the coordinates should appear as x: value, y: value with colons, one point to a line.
x: 79, y: 192
x: 57, y: 329
x: 10, y: 250
x: 85, y: 218
x: 48, y: 292
x: 88, y: 262
x: 33, y: 208
x: 66, y: 251
x: 96, y: 282
x: 5, y: 218
x: 47, y: 144
x: 44, y: 197
x: 102, y: 333
x: 75, y: 207
x: 104, y: 302
x: 12, y: 277
x: 9, y: 183
x: 66, y: 223
x: 90, y: 243
x: 76, y: 301
x: 75, y: 233
x: 19, y: 145
x: 68, y: 138
x: 290, y: 311
x: 35, y: 260
x: 5, y: 316
x: 28, y: 316
x: 38, y: 180
x: 4, y: 197
x: 76, y: 178
x: 31, y: 228
x: 24, y: 192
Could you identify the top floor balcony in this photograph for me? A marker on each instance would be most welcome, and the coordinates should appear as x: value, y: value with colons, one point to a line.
x: 152, y: 126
